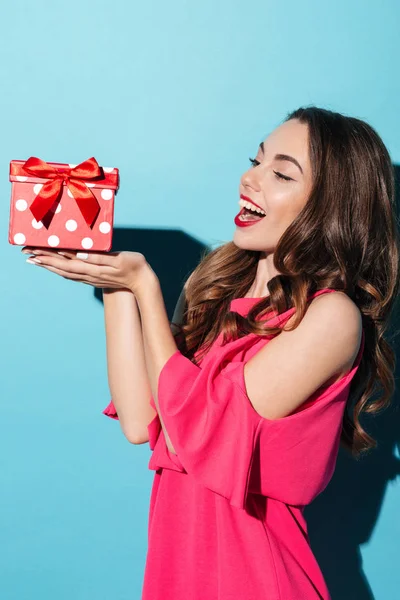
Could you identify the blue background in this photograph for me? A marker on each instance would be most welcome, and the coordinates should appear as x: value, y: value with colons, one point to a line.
x: 177, y: 95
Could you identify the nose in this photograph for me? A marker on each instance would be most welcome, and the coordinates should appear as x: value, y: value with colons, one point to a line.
x: 252, y: 178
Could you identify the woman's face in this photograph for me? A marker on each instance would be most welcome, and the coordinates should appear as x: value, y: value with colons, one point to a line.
x: 281, y: 199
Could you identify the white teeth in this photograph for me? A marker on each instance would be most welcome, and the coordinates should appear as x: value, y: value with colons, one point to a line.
x: 250, y: 206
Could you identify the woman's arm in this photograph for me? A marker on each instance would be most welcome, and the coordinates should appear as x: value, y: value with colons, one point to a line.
x: 127, y: 372
x: 127, y: 376
x: 158, y: 340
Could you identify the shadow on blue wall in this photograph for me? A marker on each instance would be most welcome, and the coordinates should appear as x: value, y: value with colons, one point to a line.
x: 344, y: 515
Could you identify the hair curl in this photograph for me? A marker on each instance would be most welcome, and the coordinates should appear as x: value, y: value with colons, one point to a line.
x: 346, y: 237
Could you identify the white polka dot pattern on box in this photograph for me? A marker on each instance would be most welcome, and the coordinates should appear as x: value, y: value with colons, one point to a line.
x: 71, y: 225
x: 21, y: 204
x: 53, y: 240
x: 19, y: 238
x: 106, y: 194
x: 105, y: 227
x: 87, y: 243
x: 28, y: 230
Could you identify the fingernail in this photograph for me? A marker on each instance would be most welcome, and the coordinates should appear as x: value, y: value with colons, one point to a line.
x: 82, y: 255
x: 62, y: 253
x: 33, y: 261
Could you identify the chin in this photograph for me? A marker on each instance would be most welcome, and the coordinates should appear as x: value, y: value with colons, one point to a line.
x: 248, y: 244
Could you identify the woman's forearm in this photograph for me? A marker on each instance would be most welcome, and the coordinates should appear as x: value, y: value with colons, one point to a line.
x: 158, y: 340
x: 126, y: 366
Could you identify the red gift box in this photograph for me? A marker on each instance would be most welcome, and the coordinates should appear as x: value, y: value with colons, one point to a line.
x: 60, y: 205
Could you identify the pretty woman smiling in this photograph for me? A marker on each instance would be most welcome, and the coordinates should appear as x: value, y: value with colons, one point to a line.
x: 276, y: 346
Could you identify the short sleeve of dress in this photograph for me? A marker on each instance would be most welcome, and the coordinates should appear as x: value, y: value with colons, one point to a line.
x: 223, y: 442
x: 110, y: 411
x: 161, y: 457
x: 212, y: 427
x: 154, y: 427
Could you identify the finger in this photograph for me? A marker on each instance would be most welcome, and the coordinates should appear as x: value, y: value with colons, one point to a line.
x: 74, y: 277
x: 96, y: 258
x: 61, y: 272
x: 76, y: 255
x: 98, y: 276
x: 39, y: 251
x: 73, y: 266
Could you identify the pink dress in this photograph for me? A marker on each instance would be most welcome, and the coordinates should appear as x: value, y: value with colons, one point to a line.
x: 226, y: 512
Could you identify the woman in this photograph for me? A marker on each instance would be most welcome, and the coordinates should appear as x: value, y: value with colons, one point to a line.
x: 275, y: 349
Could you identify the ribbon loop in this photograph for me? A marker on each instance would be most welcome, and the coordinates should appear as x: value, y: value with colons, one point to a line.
x: 74, y: 178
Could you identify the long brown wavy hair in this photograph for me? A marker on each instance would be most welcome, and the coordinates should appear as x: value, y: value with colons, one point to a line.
x: 346, y: 238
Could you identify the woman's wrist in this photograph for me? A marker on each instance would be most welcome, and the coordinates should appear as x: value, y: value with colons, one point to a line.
x: 146, y: 282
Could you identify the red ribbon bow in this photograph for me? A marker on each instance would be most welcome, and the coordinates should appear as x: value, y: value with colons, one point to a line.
x: 73, y: 179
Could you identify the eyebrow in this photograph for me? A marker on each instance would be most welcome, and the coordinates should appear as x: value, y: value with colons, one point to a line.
x: 283, y: 157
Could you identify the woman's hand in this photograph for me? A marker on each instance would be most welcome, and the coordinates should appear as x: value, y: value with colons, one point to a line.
x: 113, y: 270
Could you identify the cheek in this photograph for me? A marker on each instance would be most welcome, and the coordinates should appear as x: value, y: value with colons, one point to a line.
x: 285, y: 205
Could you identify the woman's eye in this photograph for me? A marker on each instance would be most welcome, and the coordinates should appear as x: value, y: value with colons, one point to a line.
x: 255, y: 162
x: 280, y: 176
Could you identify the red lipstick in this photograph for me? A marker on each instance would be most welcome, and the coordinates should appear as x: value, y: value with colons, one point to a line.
x: 241, y: 223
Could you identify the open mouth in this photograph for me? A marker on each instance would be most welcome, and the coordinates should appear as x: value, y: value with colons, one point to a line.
x: 248, y: 214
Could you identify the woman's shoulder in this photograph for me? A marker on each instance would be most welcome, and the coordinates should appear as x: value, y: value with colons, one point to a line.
x: 340, y: 309
x: 343, y: 315
x: 336, y: 306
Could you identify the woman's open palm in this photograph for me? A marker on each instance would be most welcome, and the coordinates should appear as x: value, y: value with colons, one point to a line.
x: 118, y: 270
